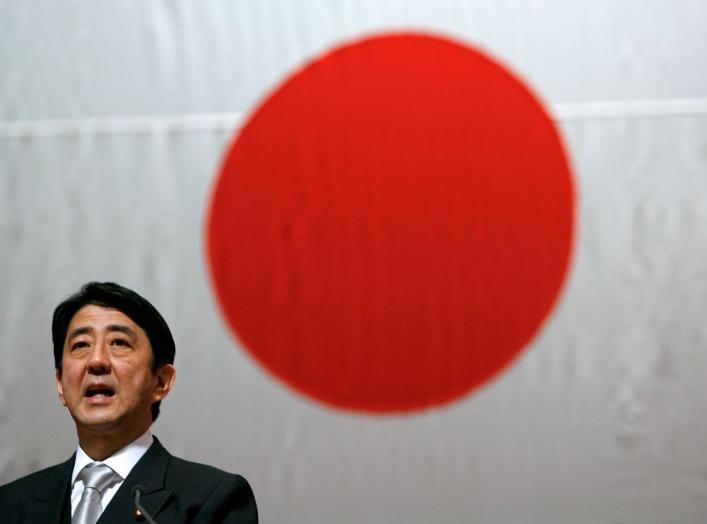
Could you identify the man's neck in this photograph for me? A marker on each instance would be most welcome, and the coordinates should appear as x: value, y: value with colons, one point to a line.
x: 99, y: 445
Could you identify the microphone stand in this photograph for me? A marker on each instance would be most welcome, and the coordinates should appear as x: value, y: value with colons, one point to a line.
x: 140, y: 512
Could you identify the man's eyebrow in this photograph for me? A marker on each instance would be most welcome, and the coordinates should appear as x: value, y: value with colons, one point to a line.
x: 79, y: 331
x: 112, y: 327
x: 122, y: 329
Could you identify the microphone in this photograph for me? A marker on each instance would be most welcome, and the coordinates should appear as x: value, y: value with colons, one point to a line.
x: 140, y: 513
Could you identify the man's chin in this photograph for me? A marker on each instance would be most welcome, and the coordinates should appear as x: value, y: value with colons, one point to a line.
x: 97, y: 420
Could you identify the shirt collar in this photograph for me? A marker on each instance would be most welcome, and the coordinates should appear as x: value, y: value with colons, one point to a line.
x: 122, y: 461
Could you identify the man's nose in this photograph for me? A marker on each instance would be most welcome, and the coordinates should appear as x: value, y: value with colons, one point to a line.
x: 99, y: 363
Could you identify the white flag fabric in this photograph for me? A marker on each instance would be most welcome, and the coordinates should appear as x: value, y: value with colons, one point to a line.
x: 114, y: 124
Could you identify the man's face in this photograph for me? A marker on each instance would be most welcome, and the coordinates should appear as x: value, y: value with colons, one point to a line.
x: 106, y: 380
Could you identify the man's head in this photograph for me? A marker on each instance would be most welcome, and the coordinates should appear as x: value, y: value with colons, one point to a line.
x: 113, y: 354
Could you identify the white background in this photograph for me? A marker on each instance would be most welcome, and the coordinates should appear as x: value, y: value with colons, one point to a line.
x: 114, y: 118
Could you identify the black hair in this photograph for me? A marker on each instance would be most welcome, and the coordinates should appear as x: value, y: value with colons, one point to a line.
x: 115, y: 296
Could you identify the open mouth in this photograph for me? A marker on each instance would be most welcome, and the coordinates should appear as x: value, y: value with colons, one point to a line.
x: 100, y: 393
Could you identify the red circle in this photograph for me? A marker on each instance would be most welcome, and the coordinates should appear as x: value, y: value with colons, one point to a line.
x: 392, y: 225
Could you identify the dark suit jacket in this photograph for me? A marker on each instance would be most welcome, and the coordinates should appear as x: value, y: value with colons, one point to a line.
x: 175, y: 491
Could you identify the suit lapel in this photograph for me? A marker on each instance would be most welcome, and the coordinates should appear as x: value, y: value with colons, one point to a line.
x: 51, y: 503
x: 149, y: 472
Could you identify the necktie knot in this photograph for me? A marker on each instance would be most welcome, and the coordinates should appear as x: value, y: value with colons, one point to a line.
x: 97, y: 476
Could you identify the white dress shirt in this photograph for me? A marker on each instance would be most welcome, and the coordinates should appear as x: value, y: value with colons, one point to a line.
x: 122, y: 462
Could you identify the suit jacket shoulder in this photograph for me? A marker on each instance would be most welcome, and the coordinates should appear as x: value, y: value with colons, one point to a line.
x: 42, y: 496
x: 218, y: 495
x: 200, y: 478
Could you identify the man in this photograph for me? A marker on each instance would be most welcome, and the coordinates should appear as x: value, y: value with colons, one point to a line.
x: 113, y: 355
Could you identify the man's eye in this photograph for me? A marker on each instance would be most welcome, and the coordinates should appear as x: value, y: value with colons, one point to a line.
x: 80, y: 344
x: 120, y: 342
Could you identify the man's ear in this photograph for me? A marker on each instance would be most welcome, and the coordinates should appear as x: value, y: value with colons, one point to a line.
x: 60, y: 387
x: 166, y: 376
